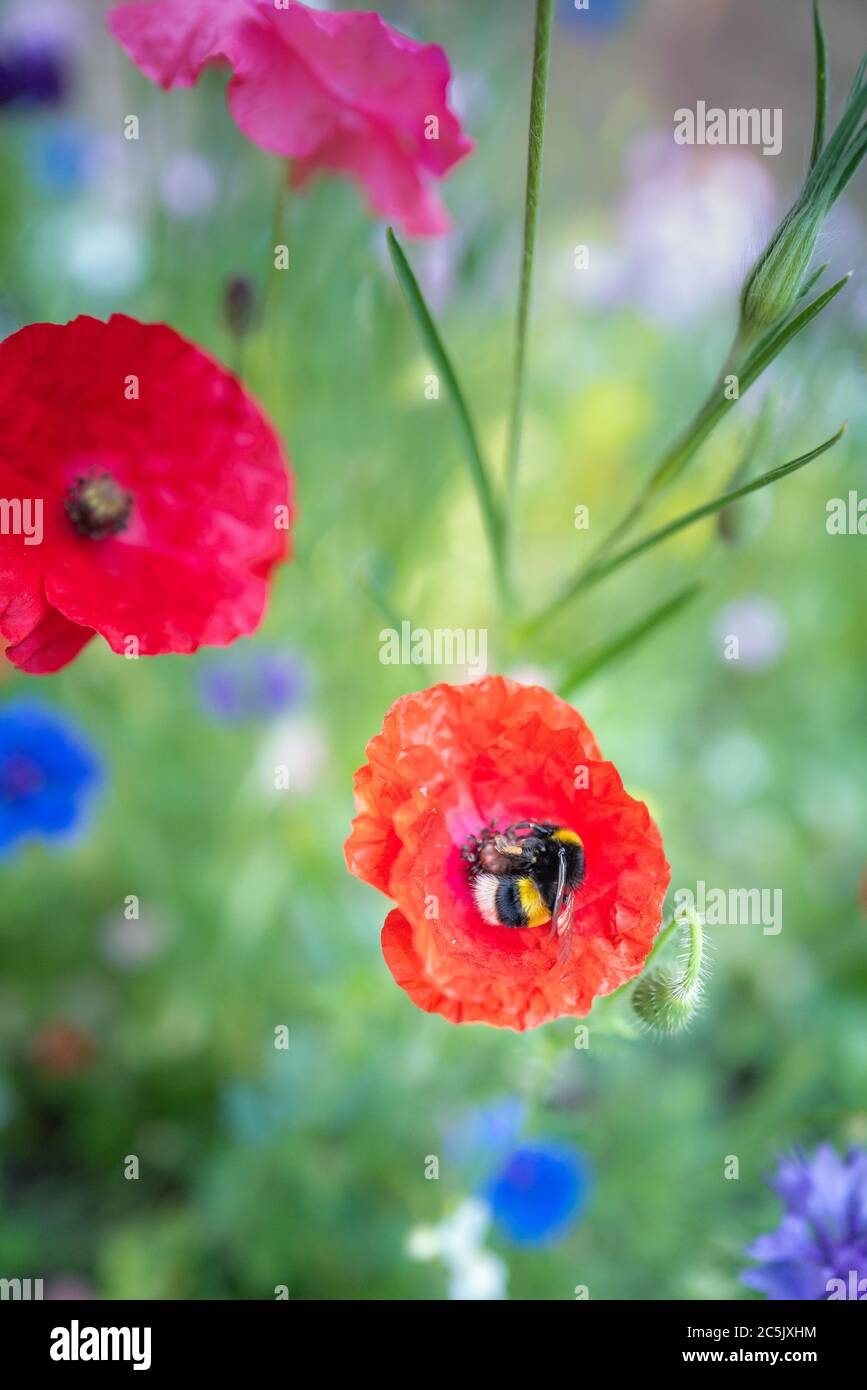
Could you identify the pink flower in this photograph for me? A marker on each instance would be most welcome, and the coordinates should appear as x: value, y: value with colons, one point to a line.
x: 343, y: 92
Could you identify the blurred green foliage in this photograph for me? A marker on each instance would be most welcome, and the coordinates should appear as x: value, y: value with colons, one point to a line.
x: 305, y: 1167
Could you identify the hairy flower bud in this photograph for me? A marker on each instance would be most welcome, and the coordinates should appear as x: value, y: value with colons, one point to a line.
x: 666, y: 1001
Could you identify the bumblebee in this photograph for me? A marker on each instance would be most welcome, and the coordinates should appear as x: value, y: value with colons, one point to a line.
x: 526, y: 875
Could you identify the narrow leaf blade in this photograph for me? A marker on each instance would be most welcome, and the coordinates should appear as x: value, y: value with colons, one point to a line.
x: 626, y: 641
x: 491, y: 515
x: 821, y: 84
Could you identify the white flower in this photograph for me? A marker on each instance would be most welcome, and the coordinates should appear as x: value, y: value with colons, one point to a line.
x: 474, y: 1273
x: 292, y: 756
x: 103, y: 254
x: 480, y: 1276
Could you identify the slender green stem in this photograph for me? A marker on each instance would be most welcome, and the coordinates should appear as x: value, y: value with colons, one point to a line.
x: 690, y: 983
x: 378, y: 596
x: 821, y: 85
x: 670, y: 466
x: 754, y: 356
x: 600, y: 571
x: 664, y: 934
x: 278, y: 234
x: 538, y: 103
x: 625, y: 641
x: 492, y: 518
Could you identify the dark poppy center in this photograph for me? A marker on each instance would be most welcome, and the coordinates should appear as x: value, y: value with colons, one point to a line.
x: 20, y: 777
x: 98, y: 507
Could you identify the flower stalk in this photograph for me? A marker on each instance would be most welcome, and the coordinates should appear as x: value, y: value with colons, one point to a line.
x: 492, y: 516
x: 535, y: 144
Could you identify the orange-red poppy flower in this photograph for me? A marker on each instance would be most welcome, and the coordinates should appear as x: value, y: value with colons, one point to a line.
x: 453, y: 760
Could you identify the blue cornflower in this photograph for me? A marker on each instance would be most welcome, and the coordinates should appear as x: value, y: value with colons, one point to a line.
x: 538, y: 1193
x: 47, y: 772
x: 32, y: 74
x: 252, y: 684
x: 61, y: 158
x: 819, y: 1249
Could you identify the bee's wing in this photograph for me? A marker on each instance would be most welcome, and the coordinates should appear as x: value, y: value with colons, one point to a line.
x: 559, y: 895
x: 565, y: 923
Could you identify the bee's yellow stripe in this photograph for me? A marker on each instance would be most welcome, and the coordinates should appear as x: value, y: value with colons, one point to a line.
x: 567, y: 836
x: 534, y: 908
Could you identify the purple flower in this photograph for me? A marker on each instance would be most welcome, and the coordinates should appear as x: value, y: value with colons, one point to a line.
x: 760, y: 628
x: 32, y: 74
x: 819, y: 1250
x: 252, y: 683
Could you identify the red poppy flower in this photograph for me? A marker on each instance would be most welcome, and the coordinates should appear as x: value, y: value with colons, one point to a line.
x: 341, y: 92
x: 155, y: 494
x: 450, y: 761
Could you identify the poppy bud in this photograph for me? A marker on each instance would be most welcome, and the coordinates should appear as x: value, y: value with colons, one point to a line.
x: 665, y: 1001
x: 240, y: 309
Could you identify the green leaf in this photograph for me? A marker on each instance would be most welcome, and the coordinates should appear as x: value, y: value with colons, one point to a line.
x: 718, y: 405
x: 708, y: 508
x: 372, y: 586
x: 857, y: 151
x: 601, y: 569
x: 756, y: 442
x: 813, y: 279
x: 627, y: 640
x: 771, y: 345
x: 821, y: 84
x: 491, y: 514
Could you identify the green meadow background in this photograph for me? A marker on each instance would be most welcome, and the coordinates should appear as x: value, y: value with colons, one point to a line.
x: 305, y: 1167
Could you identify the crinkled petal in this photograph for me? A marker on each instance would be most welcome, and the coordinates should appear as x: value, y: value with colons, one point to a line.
x: 335, y: 92
x: 50, y: 645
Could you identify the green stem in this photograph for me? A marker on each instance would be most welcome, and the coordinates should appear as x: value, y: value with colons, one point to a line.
x: 674, y: 461
x: 691, y: 981
x: 278, y: 233
x: 748, y: 359
x: 603, y: 567
x: 625, y: 641
x: 821, y: 85
x: 492, y: 519
x: 665, y: 933
x: 538, y: 102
